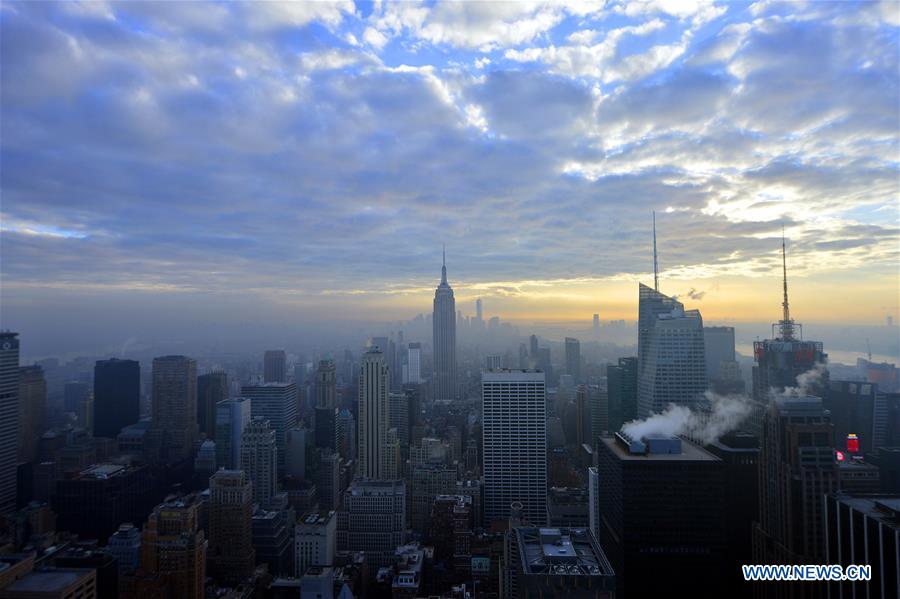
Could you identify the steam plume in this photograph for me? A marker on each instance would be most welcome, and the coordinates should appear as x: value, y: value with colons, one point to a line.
x: 726, y: 412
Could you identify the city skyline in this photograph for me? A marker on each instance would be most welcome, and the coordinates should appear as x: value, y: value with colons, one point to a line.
x: 194, y: 190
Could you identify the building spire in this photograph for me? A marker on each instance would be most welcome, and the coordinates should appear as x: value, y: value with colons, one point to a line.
x: 655, y: 266
x: 444, y: 264
x: 786, y: 326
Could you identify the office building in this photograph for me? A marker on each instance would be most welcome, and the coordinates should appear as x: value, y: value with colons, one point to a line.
x: 719, y: 347
x: 298, y: 462
x: 413, y: 372
x: 797, y: 467
x: 173, y: 550
x: 863, y: 529
x: 672, y: 361
x: 573, y: 358
x: 328, y: 480
x: 273, y: 540
x: 32, y: 411
x: 86, y: 556
x: 374, y: 417
x: 555, y: 562
x: 398, y: 416
x: 444, y: 379
x: 568, y: 507
x: 117, y: 396
x: 212, y: 388
x: 779, y: 361
x: 277, y: 403
x: 661, y: 511
x: 230, y: 555
x: 274, y: 366
x: 85, y: 413
x: 174, y: 424
x: 125, y: 546
x: 232, y: 416
x: 885, y: 375
x: 739, y: 452
x: 622, y: 391
x: 259, y: 460
x: 651, y: 303
x: 94, y: 502
x: 345, y: 431
x: 514, y: 441
x: 315, y: 541
x: 852, y: 407
x: 205, y: 460
x: 53, y: 583
x: 425, y: 482
x: 886, y: 420
x: 9, y: 419
x: 372, y: 519
x: 74, y: 395
x: 326, y: 432
x: 451, y: 529
x: 326, y: 385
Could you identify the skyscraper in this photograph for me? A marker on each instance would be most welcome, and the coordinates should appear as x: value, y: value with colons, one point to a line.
x: 232, y: 416
x: 173, y: 550
x: 315, y: 538
x: 277, y: 403
x: 661, y: 515
x: 174, y: 407
x: 414, y: 364
x: 864, y: 529
x: 117, y: 396
x: 514, y: 438
x: 622, y: 385
x: 74, y: 393
x: 797, y: 467
x: 444, y: 382
x: 573, y: 358
x: 231, y: 554
x: 259, y: 460
x: 274, y: 366
x: 32, y: 411
x: 719, y: 346
x: 780, y: 360
x: 372, y: 518
x: 479, y: 310
x: 211, y: 389
x: 671, y: 355
x: 326, y: 384
x: 373, y: 414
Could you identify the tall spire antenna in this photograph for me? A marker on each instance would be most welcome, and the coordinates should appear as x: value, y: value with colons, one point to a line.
x: 786, y: 325
x: 655, y: 266
x: 444, y: 264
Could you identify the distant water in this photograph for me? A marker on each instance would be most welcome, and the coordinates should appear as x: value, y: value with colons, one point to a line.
x: 834, y: 355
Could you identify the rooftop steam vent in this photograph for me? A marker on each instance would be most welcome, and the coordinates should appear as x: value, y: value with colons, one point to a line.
x: 662, y: 444
x: 629, y: 444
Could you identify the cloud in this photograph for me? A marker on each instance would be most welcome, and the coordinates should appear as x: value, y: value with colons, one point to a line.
x: 304, y: 149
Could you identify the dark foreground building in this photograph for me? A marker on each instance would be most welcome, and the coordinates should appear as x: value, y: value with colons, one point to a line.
x: 864, y: 529
x: 661, y: 516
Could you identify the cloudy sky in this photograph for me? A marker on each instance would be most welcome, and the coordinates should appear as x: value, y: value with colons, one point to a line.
x: 258, y: 159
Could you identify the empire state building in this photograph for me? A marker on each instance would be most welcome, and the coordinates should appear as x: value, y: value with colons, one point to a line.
x: 444, y: 384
